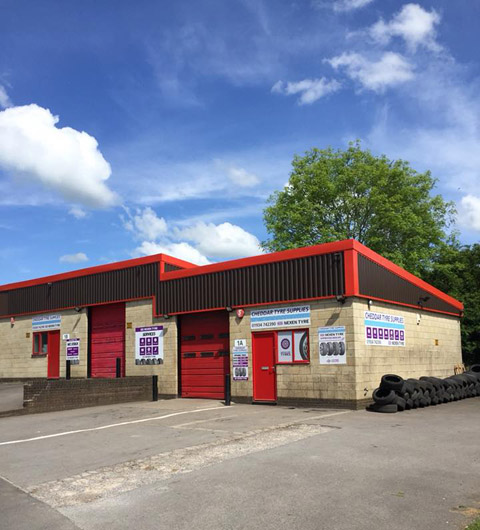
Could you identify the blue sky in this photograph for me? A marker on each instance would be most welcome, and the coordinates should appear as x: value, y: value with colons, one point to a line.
x: 129, y: 128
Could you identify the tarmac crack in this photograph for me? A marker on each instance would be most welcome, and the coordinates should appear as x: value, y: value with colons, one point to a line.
x: 119, y: 478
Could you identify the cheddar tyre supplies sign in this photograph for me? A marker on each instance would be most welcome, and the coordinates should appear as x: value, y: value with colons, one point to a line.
x: 280, y: 317
x: 46, y: 322
x: 382, y: 329
x: 332, y: 345
x: 72, y: 350
x: 240, y: 360
x: 149, y: 345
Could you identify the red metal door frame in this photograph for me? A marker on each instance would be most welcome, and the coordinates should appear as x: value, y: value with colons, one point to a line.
x: 258, y: 377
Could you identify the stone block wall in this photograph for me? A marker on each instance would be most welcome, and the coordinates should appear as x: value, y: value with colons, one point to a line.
x: 140, y: 314
x: 432, y: 346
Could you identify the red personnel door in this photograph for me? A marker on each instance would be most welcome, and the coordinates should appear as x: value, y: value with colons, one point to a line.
x: 264, y: 378
x: 53, y: 363
x: 107, y: 339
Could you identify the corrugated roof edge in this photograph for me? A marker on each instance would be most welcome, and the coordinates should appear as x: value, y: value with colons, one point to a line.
x: 108, y: 267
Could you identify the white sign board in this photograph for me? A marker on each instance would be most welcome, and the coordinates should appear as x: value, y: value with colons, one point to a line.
x: 240, y: 360
x: 72, y: 350
x: 46, y: 322
x: 332, y: 345
x: 280, y: 317
x: 382, y: 329
x: 149, y: 345
x: 285, y: 346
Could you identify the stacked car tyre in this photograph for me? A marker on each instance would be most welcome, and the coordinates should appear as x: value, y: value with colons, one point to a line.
x: 396, y: 394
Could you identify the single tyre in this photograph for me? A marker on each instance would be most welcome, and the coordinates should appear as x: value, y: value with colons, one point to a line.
x: 383, y: 397
x: 392, y: 407
x: 392, y: 382
x: 401, y: 403
x: 475, y: 369
x: 408, y: 404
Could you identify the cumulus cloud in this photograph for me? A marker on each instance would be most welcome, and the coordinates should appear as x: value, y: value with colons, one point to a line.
x: 5, y: 101
x: 390, y: 70
x: 77, y: 212
x: 192, y: 241
x: 221, y: 241
x: 145, y: 224
x: 178, y: 250
x: 349, y: 5
x: 79, y: 257
x: 415, y: 25
x: 470, y: 212
x: 63, y: 159
x: 310, y: 90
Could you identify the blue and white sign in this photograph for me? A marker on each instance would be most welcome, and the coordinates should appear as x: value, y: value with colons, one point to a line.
x: 280, y: 317
x: 382, y: 329
x: 332, y: 345
x: 46, y: 322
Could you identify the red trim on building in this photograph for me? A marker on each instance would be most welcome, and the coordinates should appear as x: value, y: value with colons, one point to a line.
x: 135, y: 262
x: 350, y: 260
x: 283, y: 255
x: 370, y: 254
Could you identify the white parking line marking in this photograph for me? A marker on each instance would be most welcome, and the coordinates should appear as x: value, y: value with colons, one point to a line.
x: 12, y: 442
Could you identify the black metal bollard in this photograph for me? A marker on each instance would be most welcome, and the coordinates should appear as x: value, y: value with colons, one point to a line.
x: 228, y: 393
x: 154, y: 387
x: 118, y: 371
x: 67, y: 371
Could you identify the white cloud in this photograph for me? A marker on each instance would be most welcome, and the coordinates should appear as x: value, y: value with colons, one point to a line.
x: 241, y: 177
x: 469, y: 214
x: 221, y: 241
x: 145, y: 224
x: 390, y: 70
x: 77, y: 212
x: 5, y: 101
x: 61, y: 159
x: 349, y: 5
x: 310, y: 90
x: 413, y: 24
x: 79, y: 257
x: 178, y: 250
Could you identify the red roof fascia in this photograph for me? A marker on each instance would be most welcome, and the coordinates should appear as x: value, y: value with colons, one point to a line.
x: 395, y: 269
x: 135, y: 262
x: 283, y: 255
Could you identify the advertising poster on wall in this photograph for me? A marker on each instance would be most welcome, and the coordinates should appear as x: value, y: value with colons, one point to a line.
x: 46, y: 322
x: 382, y: 329
x: 149, y: 345
x: 285, y: 346
x: 332, y: 345
x: 240, y: 360
x: 280, y: 317
x: 72, y: 350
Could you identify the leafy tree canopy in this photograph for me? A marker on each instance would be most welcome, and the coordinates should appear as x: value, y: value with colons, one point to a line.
x: 342, y: 194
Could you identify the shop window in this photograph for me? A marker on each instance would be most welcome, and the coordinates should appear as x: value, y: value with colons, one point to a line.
x: 40, y: 343
x: 292, y: 346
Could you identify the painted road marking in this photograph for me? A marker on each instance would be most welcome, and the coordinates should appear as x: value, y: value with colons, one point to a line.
x: 143, y: 420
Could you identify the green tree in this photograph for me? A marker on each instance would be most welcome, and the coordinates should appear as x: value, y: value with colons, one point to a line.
x: 456, y: 271
x: 342, y: 194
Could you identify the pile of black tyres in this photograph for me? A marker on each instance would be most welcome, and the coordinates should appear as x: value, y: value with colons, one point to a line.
x: 396, y: 394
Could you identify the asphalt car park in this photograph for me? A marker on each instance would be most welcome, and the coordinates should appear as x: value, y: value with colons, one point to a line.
x: 198, y: 464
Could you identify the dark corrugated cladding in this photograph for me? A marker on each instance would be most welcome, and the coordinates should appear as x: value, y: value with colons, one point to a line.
x: 378, y: 282
x: 169, y: 267
x: 310, y: 277
x: 3, y: 303
x: 122, y: 284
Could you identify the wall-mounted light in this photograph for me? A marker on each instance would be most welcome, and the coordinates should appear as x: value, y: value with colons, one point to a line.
x: 341, y: 298
x: 370, y: 303
x: 166, y: 316
x: 78, y: 309
x: 229, y: 308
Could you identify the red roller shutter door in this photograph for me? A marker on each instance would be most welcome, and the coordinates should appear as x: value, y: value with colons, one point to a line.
x: 107, y: 339
x: 204, y: 354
